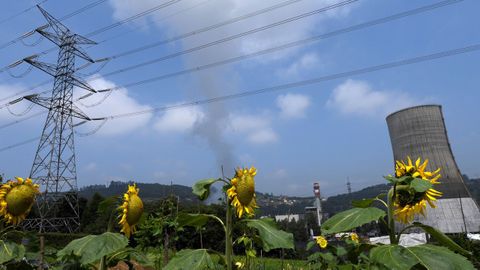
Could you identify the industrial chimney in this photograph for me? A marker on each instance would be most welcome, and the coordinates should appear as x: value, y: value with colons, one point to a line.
x: 317, y: 207
x: 420, y: 132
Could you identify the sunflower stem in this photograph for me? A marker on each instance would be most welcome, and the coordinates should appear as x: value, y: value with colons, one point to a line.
x: 391, y: 221
x: 228, y: 236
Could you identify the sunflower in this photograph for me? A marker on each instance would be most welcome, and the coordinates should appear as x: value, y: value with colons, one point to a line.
x: 354, y: 237
x: 408, y: 202
x: 242, y: 192
x: 321, y: 241
x: 16, y: 199
x: 132, y: 210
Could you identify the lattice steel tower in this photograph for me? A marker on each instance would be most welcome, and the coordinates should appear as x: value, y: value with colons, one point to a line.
x: 54, y: 166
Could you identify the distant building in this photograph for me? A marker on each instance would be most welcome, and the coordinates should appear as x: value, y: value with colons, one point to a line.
x: 290, y: 218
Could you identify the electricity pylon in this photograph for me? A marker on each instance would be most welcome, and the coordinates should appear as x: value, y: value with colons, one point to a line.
x: 54, y: 167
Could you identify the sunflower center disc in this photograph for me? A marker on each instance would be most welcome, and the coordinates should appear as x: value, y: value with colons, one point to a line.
x: 19, y: 199
x: 245, y: 191
x: 135, y: 210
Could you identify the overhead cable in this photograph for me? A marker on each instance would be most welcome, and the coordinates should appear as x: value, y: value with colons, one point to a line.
x: 409, y: 61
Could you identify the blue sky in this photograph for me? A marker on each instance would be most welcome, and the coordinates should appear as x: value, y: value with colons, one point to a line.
x: 325, y: 132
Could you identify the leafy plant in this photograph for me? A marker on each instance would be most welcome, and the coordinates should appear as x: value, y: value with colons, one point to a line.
x: 412, y: 189
x: 240, y: 199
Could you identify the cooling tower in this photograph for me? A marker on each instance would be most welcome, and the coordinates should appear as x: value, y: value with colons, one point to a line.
x: 420, y: 132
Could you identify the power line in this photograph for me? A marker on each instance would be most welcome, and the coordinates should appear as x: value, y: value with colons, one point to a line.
x: 19, y: 144
x: 22, y: 12
x: 95, y: 32
x: 22, y: 120
x: 133, y: 28
x: 236, y: 19
x: 269, y: 50
x: 134, y: 17
x: 409, y: 61
x: 205, y: 29
x: 229, y: 38
x: 290, y: 44
x: 76, y: 12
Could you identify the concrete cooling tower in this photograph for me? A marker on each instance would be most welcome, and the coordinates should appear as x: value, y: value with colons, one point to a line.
x: 420, y: 132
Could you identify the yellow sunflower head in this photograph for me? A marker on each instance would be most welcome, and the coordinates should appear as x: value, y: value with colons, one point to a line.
x: 354, y: 237
x: 132, y: 210
x: 16, y: 199
x: 408, y: 201
x: 242, y: 192
x: 321, y: 241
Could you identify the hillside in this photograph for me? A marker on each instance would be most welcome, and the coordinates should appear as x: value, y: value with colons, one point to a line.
x: 270, y: 204
x: 149, y: 191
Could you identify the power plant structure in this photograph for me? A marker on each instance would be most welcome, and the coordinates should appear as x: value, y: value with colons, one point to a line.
x: 317, y: 206
x: 420, y: 132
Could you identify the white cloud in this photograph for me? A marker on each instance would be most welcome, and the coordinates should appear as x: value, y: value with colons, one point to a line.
x: 208, y: 14
x: 257, y: 129
x: 293, y: 105
x: 92, y: 166
x: 301, y: 65
x: 179, y: 120
x: 358, y: 98
x: 266, y: 135
x: 118, y: 102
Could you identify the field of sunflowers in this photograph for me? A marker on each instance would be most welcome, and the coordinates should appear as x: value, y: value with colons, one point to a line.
x: 133, y: 240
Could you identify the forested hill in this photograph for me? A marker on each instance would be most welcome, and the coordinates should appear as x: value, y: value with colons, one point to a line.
x: 269, y: 204
x: 148, y: 191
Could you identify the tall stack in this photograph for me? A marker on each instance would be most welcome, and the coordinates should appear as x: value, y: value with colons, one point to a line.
x: 420, y: 132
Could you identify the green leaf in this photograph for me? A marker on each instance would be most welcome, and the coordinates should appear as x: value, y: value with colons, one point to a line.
x: 439, y: 258
x: 310, y: 245
x: 363, y: 203
x: 395, y: 180
x: 202, y: 188
x: 192, y: 220
x: 195, y: 220
x: 127, y: 254
x: 442, y: 238
x: 271, y: 236
x: 341, y: 251
x: 420, y: 185
x: 191, y: 259
x: 11, y: 251
x: 393, y: 257
x: 92, y: 248
x: 328, y: 257
x: 347, y: 220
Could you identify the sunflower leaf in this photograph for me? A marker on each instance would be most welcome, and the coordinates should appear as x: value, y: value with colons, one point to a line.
x: 195, y: 220
x: 92, y: 248
x: 363, y: 203
x: 193, y: 259
x: 393, y: 257
x: 442, y: 238
x: 420, y: 185
x: 10, y: 251
x: 439, y: 258
x: 395, y: 180
x: 347, y: 220
x: 310, y: 245
x: 202, y: 188
x: 271, y: 236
